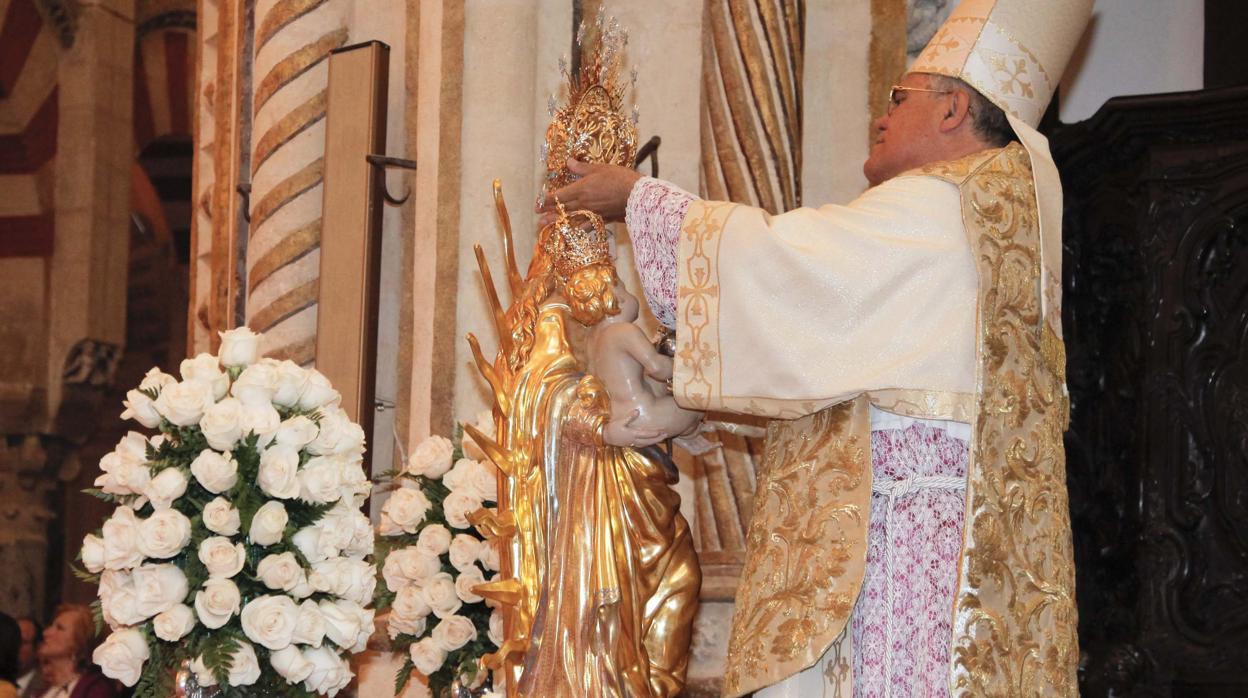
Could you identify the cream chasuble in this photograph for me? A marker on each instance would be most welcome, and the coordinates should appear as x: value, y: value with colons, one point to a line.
x: 924, y: 297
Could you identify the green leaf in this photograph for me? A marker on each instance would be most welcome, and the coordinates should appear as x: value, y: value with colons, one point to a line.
x: 83, y: 575
x: 405, y: 673
x: 102, y: 495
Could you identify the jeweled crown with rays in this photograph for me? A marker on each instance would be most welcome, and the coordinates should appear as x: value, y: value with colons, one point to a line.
x: 590, y: 127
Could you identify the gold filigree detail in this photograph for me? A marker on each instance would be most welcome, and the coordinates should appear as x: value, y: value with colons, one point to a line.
x: 806, y: 548
x: 1014, y: 618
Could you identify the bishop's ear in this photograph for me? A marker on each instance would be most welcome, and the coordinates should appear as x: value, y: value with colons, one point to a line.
x: 957, y: 112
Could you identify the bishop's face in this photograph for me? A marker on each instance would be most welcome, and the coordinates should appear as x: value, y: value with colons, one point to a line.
x: 908, y: 135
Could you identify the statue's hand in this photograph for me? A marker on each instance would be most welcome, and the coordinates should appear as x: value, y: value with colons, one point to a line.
x: 625, y: 433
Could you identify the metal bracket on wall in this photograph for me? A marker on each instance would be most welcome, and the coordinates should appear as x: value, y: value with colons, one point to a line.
x: 649, y: 150
x: 385, y: 162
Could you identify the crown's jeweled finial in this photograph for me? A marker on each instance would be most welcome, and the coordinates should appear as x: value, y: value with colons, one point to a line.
x: 592, y: 125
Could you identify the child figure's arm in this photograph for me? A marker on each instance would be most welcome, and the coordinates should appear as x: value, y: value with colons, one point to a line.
x: 633, y: 341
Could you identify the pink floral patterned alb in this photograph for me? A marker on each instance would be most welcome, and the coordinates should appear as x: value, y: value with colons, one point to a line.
x: 902, y: 622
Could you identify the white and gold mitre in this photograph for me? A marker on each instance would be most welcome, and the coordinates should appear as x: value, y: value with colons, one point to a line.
x: 1011, y: 51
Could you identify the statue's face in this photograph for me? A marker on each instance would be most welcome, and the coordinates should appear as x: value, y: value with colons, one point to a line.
x: 629, y: 307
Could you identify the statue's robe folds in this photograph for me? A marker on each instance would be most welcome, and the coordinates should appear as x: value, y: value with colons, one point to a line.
x: 616, y: 575
x: 811, y: 316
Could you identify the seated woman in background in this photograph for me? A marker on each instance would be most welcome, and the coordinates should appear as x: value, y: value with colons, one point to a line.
x: 65, y: 656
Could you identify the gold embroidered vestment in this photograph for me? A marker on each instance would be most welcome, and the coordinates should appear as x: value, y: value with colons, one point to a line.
x: 1014, y: 620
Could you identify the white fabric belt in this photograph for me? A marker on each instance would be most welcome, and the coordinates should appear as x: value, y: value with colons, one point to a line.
x: 900, y: 488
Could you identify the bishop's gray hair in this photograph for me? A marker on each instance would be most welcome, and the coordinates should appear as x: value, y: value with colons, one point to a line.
x: 987, y: 118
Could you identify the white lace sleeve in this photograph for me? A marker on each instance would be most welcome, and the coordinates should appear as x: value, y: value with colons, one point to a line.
x: 653, y: 215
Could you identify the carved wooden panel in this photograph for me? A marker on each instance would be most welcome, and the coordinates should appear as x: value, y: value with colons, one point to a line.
x: 1156, y: 319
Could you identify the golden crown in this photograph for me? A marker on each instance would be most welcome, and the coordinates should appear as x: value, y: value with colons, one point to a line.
x: 591, y: 126
x: 576, y: 240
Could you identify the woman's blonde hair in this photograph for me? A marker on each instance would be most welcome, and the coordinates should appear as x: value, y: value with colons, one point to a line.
x: 82, y: 630
x: 590, y: 293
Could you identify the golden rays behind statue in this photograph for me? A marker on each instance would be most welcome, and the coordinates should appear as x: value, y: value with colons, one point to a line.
x: 599, y: 579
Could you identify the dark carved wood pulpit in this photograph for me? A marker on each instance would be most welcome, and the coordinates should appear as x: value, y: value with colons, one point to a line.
x: 1156, y: 325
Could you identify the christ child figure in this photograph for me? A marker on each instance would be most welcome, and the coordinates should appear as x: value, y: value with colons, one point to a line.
x: 618, y: 353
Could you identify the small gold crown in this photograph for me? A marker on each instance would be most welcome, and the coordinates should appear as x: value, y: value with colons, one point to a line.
x: 592, y: 126
x: 578, y: 240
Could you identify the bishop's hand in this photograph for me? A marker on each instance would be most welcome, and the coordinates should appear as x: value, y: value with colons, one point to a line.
x: 603, y: 189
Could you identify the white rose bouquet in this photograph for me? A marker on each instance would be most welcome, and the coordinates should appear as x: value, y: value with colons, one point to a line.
x: 433, y: 558
x: 238, y: 545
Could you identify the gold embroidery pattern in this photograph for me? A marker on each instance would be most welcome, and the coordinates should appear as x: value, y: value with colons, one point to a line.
x: 697, y: 304
x: 1014, y: 618
x: 838, y: 671
x: 926, y: 404
x: 806, y: 547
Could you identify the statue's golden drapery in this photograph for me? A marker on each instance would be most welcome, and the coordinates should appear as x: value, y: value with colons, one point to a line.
x: 599, y: 579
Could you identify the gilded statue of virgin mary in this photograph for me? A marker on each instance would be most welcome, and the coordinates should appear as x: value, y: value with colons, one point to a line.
x: 599, y: 579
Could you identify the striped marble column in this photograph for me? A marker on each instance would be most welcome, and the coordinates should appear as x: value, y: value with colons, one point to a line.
x: 289, y: 77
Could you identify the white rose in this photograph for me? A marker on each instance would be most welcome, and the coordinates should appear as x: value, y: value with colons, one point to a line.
x: 354, y: 580
x: 317, y: 392
x: 222, y: 557
x: 496, y: 633
x: 440, y: 595
x: 203, y: 676
x: 289, y: 664
x: 93, y: 553
x: 123, y: 473
x: 118, y: 601
x: 296, y: 432
x: 244, y: 666
x: 221, y: 517
x: 352, y: 531
x: 465, y: 582
x: 174, y: 624
x: 158, y: 588
x: 338, y: 434
x: 408, y: 612
x: 464, y: 551
x: 217, y: 602
x: 484, y: 423
x: 409, y: 566
x: 404, y: 511
x: 222, y: 424
x: 239, y: 347
x: 261, y: 420
x: 121, y: 540
x: 310, y: 625
x: 122, y: 656
x: 355, y: 483
x: 164, y: 534
x: 184, y: 403
x: 269, y: 523
x: 279, y: 472
x: 427, y: 656
x: 453, y: 632
x: 281, y: 572
x: 256, y: 384
x: 489, y: 555
x: 435, y: 539
x: 473, y: 478
x: 156, y: 379
x: 216, y: 472
x: 347, y: 624
x: 457, y: 506
x: 205, y: 369
x: 314, y: 543
x: 291, y: 379
x: 165, y: 487
x: 320, y: 480
x: 141, y: 409
x: 270, y: 620
x: 133, y: 447
x: 330, y: 673
x: 431, y: 458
